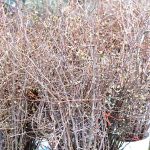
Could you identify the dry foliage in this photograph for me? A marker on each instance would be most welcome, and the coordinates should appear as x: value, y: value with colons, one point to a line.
x: 60, y: 72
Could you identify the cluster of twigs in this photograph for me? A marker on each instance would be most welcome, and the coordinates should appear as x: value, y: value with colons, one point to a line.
x: 62, y: 73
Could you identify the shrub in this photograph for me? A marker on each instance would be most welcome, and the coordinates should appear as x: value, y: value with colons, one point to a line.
x: 57, y: 70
